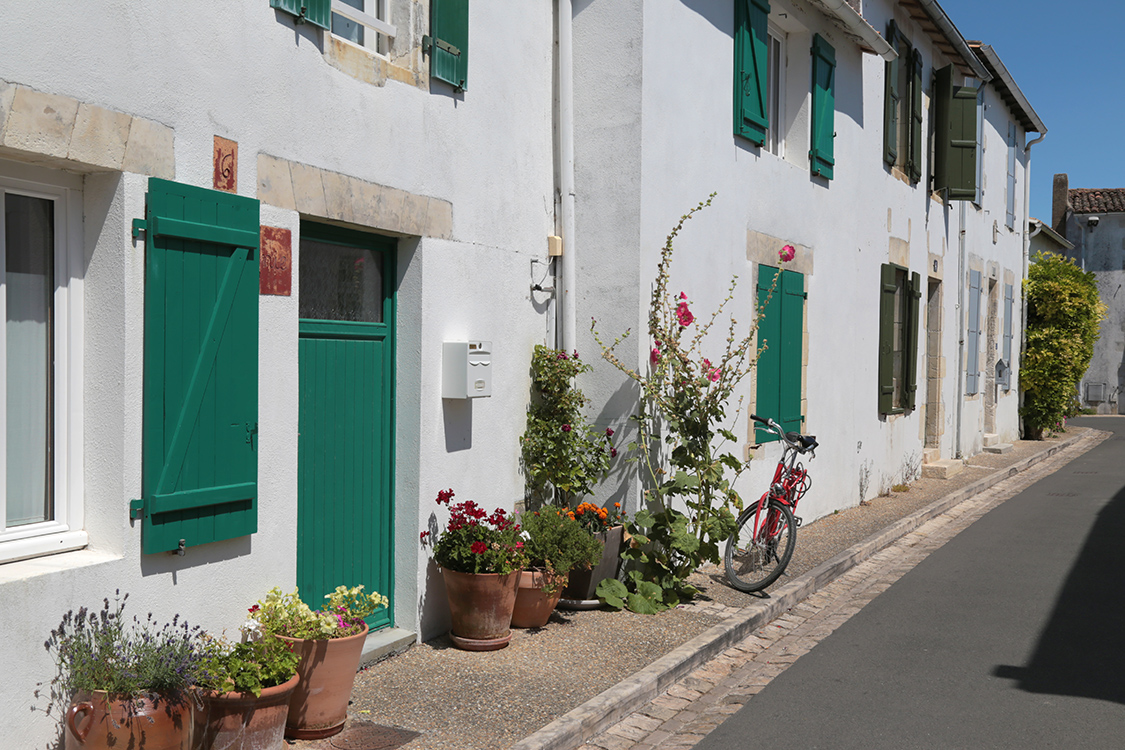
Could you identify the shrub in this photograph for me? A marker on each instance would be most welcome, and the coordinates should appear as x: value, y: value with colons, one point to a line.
x: 1063, y: 315
x: 558, y: 544
x: 562, y: 453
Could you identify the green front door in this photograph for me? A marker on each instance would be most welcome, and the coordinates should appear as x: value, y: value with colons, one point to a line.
x: 345, y: 515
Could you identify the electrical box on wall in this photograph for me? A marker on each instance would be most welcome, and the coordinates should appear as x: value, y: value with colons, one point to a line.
x: 466, y: 369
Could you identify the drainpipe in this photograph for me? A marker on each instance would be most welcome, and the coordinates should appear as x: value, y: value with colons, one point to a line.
x: 1026, y: 259
x: 566, y: 334
x: 960, y: 329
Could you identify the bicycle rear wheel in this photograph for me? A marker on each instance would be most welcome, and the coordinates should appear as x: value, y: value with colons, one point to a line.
x: 754, y: 563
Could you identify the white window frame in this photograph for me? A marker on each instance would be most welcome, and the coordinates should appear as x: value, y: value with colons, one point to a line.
x: 775, y: 90
x: 65, y: 530
x: 374, y: 18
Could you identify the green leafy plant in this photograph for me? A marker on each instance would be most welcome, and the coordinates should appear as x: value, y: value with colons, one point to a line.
x: 247, y: 667
x: 685, y: 397
x: 475, y: 541
x: 1063, y: 315
x: 562, y: 454
x: 103, y: 651
x: 286, y: 614
x: 557, y: 543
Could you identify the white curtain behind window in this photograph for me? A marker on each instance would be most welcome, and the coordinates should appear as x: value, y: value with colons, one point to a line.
x: 29, y: 254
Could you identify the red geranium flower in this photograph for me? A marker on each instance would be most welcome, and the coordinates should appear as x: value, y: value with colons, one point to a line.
x: 479, y: 548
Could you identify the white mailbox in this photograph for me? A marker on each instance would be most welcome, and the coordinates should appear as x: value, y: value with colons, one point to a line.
x: 466, y: 369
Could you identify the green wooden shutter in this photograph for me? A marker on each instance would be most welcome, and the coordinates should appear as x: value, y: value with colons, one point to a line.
x: 316, y: 12
x: 887, y: 288
x: 767, y: 398
x: 823, y: 107
x: 1010, y: 212
x: 890, y: 98
x: 972, y: 339
x: 792, y: 350
x: 914, y: 156
x: 449, y: 43
x: 955, y: 150
x: 751, y: 67
x: 200, y: 422
x: 913, y: 324
x: 1006, y: 380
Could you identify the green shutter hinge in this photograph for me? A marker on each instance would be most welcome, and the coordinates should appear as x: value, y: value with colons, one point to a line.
x: 139, y: 225
x: 136, y: 509
x: 428, y: 44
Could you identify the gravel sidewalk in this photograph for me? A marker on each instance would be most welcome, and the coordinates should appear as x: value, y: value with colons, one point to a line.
x: 460, y: 700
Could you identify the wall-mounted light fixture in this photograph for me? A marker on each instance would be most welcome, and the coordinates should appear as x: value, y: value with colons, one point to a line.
x: 1092, y: 222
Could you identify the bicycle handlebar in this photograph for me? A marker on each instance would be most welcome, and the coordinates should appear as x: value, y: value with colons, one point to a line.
x: 795, y: 440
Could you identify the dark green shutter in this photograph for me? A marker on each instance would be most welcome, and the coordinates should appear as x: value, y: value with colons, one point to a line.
x: 914, y: 155
x: 200, y: 422
x: 890, y: 98
x: 1006, y: 380
x: 767, y: 398
x: 316, y: 12
x: 972, y: 339
x: 913, y: 324
x: 449, y: 44
x: 955, y: 149
x: 823, y: 107
x: 887, y: 288
x: 751, y: 67
x: 792, y: 349
x: 778, y: 370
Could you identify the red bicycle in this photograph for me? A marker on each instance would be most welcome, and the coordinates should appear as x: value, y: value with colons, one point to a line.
x: 762, y: 543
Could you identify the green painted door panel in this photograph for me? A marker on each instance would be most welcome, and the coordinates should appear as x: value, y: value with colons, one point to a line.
x: 345, y: 518
x: 200, y: 404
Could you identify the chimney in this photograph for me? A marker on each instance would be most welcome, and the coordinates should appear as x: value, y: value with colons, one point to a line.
x: 1059, y: 204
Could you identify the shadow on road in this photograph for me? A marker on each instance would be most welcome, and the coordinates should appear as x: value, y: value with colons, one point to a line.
x: 1080, y: 651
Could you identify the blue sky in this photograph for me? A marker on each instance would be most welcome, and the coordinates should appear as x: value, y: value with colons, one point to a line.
x: 1068, y: 60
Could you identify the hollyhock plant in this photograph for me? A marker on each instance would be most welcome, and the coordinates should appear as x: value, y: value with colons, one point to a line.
x: 684, y: 443
x: 475, y: 541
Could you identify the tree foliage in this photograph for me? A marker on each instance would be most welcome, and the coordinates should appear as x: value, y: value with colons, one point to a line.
x: 1063, y: 315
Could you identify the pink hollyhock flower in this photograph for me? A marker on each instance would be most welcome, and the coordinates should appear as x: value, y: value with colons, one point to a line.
x: 787, y: 253
x: 683, y: 315
x: 655, y: 356
x: 609, y: 432
x: 683, y: 296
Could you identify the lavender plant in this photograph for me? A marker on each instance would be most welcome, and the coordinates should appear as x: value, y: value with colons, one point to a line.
x: 100, y: 650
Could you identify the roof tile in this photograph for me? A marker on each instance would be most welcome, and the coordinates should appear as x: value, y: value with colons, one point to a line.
x: 1096, y: 200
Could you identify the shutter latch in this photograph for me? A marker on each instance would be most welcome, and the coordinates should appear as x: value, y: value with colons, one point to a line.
x: 136, y: 509
x: 429, y: 42
x: 139, y: 225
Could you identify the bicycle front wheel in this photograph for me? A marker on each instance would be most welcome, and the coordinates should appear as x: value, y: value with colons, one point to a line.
x: 754, y: 561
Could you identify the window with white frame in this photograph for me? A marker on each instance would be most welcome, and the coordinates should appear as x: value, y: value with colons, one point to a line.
x: 365, y: 23
x: 775, y: 92
x: 40, y: 383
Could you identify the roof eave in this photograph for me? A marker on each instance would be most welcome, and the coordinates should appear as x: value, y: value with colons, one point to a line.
x: 857, y: 28
x: 947, y: 38
x: 1029, y: 119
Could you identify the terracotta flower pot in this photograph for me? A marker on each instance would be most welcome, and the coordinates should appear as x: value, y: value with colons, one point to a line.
x: 240, y: 721
x: 581, y: 591
x: 319, y: 706
x: 533, y: 605
x: 480, y: 606
x: 98, y: 721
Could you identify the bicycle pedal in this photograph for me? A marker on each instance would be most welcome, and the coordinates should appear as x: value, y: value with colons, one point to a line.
x: 797, y: 520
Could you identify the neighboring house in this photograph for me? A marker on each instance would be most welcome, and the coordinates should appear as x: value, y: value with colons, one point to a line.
x: 1093, y: 221
x: 235, y: 244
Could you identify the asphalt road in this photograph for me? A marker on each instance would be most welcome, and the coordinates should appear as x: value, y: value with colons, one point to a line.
x: 1012, y: 635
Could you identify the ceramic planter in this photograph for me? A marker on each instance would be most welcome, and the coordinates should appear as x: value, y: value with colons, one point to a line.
x: 98, y: 721
x: 581, y: 592
x: 533, y: 605
x: 480, y: 607
x: 241, y: 721
x: 319, y: 706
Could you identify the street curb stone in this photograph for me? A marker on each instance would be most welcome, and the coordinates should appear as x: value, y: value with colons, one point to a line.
x: 602, y: 711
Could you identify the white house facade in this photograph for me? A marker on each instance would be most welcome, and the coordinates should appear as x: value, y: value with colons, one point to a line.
x: 235, y: 244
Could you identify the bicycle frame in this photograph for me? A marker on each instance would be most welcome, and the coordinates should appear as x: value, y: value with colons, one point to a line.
x: 790, y: 482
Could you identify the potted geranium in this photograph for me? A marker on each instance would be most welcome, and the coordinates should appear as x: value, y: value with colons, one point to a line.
x: 329, y: 643
x: 481, y: 556
x: 245, y: 689
x: 124, y: 684
x: 556, y: 544
x: 607, y: 524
